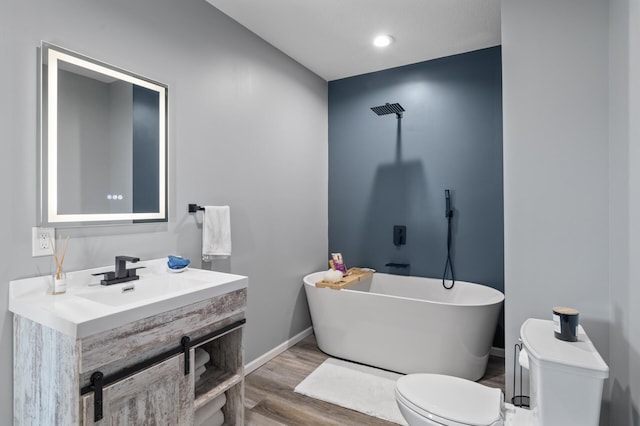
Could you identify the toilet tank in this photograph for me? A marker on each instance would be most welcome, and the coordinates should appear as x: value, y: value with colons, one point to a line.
x: 565, y: 378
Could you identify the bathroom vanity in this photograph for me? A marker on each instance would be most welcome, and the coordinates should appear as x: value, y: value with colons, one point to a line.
x: 108, y: 355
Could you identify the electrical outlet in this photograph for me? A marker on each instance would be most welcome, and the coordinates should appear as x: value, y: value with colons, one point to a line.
x: 42, y: 240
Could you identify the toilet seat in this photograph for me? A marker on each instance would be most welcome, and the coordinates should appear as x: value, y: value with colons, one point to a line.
x: 450, y: 401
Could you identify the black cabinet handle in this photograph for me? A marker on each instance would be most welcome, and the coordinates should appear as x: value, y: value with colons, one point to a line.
x: 186, y: 345
x: 96, y: 383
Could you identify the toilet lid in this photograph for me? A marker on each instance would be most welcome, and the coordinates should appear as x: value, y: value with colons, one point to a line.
x: 450, y: 400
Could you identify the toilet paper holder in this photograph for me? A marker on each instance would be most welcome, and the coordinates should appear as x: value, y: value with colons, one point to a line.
x: 518, y: 400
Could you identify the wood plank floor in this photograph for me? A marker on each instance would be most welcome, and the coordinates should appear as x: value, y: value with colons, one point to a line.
x: 270, y: 400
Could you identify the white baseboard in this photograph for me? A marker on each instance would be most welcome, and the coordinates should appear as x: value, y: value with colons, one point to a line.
x: 263, y: 359
x: 497, y: 351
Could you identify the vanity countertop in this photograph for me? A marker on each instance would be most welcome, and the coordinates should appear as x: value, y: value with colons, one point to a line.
x: 88, y: 307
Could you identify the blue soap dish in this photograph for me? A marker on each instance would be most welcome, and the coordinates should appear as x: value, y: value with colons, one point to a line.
x: 177, y: 264
x: 176, y: 270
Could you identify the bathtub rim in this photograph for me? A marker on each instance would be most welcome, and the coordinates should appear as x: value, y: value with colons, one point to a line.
x: 487, y: 288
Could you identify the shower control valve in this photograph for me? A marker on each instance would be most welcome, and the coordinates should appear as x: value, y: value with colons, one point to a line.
x: 399, y: 235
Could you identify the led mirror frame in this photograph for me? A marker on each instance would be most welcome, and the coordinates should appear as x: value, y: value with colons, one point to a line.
x: 50, y: 211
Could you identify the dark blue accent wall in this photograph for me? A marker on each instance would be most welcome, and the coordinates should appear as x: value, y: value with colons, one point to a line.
x: 385, y: 172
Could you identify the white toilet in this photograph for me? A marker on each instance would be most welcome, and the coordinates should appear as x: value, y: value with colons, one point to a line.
x: 566, y: 381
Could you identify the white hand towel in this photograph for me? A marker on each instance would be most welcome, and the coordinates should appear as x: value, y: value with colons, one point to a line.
x: 216, y: 404
x: 200, y: 370
x: 209, y: 409
x: 202, y: 357
x: 216, y: 232
x: 197, y: 374
x: 216, y: 419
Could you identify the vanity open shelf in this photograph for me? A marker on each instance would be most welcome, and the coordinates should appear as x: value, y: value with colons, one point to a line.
x: 224, y: 374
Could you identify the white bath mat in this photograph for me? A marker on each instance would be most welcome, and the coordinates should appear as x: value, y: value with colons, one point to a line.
x: 357, y: 387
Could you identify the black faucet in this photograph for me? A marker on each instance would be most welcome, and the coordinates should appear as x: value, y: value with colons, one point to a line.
x: 121, y: 265
x: 121, y: 274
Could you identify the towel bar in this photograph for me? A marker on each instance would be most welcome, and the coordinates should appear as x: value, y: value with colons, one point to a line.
x: 193, y: 208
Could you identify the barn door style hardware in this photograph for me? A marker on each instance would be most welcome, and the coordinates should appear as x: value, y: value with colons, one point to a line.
x: 98, y: 381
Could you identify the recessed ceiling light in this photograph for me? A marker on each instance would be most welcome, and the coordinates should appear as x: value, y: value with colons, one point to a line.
x: 382, y: 40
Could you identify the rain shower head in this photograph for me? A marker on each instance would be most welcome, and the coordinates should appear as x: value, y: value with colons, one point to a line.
x: 389, y: 109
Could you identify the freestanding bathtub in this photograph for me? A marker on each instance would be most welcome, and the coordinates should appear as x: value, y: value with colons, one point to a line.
x: 407, y: 324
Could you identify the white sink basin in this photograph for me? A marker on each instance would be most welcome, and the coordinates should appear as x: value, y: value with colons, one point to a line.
x: 88, y: 307
x: 146, y: 289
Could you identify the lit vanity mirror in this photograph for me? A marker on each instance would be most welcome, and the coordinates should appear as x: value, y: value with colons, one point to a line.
x: 103, y: 152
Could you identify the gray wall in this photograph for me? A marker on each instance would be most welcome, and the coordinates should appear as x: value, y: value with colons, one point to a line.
x: 556, y: 170
x: 624, y: 211
x: 385, y: 172
x: 248, y: 128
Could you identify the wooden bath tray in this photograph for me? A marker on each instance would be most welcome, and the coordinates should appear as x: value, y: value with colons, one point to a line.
x: 353, y: 276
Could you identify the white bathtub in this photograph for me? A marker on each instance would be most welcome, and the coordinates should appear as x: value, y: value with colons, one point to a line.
x: 407, y: 324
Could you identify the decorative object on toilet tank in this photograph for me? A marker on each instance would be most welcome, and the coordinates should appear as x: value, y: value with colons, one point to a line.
x: 565, y: 323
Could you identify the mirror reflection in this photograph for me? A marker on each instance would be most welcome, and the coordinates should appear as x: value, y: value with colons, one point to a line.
x: 103, y: 142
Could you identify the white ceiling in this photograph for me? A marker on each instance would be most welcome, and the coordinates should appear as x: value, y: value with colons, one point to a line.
x: 333, y: 38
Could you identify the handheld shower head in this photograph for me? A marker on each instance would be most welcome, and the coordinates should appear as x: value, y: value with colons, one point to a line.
x: 389, y: 109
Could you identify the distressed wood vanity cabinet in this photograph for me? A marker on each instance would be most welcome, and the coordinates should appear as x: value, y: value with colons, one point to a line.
x: 142, y: 363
